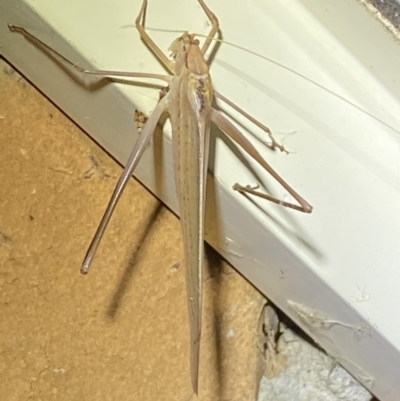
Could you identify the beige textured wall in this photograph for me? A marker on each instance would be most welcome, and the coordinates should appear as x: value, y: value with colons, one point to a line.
x: 121, y: 332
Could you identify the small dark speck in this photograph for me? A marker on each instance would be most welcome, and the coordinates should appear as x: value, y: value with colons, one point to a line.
x: 5, y: 236
x: 22, y: 83
x: 176, y: 265
x: 31, y: 217
x: 95, y: 166
x: 8, y: 71
x: 50, y: 115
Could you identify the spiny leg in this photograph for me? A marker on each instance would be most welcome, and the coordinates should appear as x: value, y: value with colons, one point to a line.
x: 149, y: 42
x: 214, y: 28
x: 34, y: 39
x: 274, y: 144
x: 252, y: 190
x: 134, y: 158
x: 226, y: 126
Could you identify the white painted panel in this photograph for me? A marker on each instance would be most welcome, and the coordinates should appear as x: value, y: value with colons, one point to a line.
x: 344, y: 259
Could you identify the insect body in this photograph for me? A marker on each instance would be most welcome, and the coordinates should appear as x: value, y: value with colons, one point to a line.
x: 189, y: 104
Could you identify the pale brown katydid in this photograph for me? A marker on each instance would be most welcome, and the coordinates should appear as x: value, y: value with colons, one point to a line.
x: 189, y: 104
